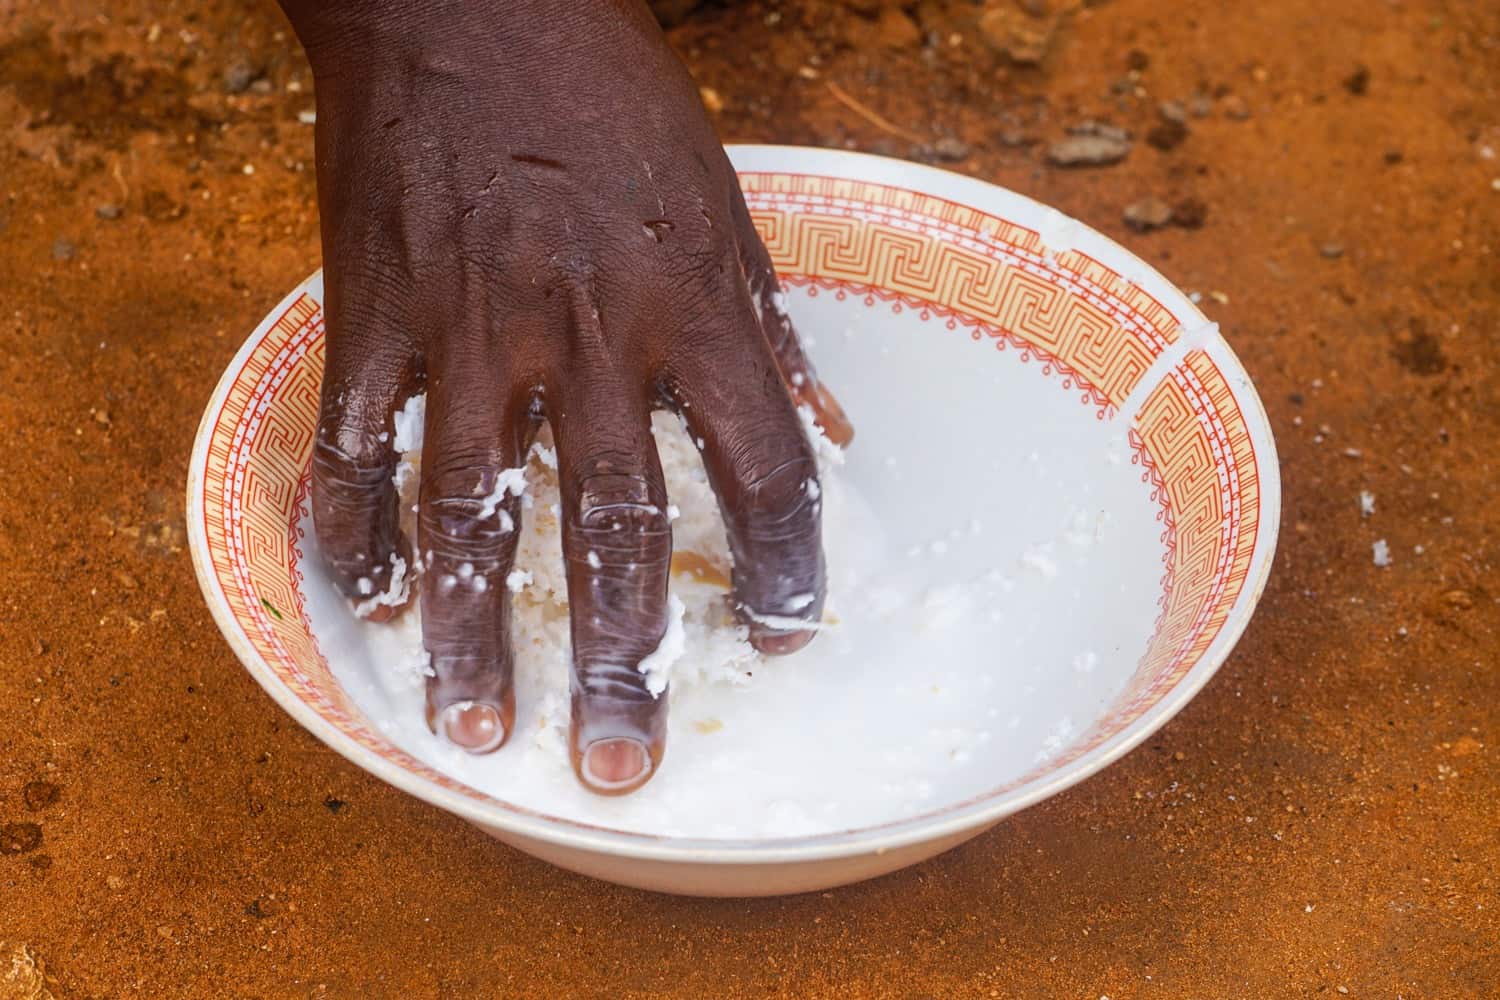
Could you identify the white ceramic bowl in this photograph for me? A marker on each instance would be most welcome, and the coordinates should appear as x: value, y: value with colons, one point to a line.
x: 1010, y: 362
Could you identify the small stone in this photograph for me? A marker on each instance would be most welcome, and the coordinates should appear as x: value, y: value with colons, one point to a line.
x: 1235, y: 108
x: 1147, y: 214
x: 63, y: 250
x: 1190, y: 213
x: 20, y: 838
x: 894, y: 30
x: 1108, y: 131
x: 1090, y: 144
x: 125, y: 580
x: 308, y: 116
x: 24, y: 974
x: 1333, y: 251
x: 38, y: 795
x: 239, y: 75
x: 1466, y: 745
x: 164, y: 931
x: 1172, y: 112
x: 950, y: 149
x: 1458, y: 599
x: 1020, y: 39
x: 1087, y: 151
x: 115, y: 882
x: 261, y: 86
x: 108, y: 212
x: 101, y: 417
x: 711, y: 99
x: 1167, y: 136
x: 1358, y: 82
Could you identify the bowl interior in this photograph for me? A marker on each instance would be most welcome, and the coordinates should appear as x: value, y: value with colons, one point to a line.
x: 1061, y: 457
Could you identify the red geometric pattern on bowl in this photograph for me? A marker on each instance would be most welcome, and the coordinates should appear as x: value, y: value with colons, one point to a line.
x: 976, y: 268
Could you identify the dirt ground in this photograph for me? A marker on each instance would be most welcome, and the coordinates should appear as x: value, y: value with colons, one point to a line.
x: 1324, y: 820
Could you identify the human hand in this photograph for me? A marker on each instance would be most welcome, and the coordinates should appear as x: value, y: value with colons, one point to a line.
x: 526, y: 212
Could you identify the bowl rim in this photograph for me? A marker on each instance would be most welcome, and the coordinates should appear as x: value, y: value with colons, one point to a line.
x: 969, y: 816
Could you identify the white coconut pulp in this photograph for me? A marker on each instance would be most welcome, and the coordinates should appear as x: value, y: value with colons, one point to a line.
x: 990, y: 590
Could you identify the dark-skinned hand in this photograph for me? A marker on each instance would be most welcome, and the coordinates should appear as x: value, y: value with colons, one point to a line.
x: 526, y: 213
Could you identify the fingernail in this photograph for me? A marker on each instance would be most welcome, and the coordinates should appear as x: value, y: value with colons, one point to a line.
x: 384, y: 613
x: 831, y: 417
x: 616, y: 764
x: 773, y: 642
x: 472, y: 726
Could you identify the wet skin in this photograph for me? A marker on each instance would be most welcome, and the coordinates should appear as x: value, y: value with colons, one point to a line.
x: 527, y: 215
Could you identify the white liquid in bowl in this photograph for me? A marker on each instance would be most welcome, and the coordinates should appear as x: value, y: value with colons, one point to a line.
x: 993, y: 587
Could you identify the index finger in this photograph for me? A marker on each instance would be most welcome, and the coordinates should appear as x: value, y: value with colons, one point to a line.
x: 764, y: 472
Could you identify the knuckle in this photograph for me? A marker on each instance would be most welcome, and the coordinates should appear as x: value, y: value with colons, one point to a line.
x: 355, y: 515
x: 619, y: 526
x: 347, y: 478
x: 455, y: 532
x: 619, y: 598
x: 468, y: 516
x: 618, y: 547
x: 468, y: 670
x: 778, y: 555
x: 615, y: 501
x: 455, y: 655
x: 602, y: 679
x: 347, y: 448
x: 781, y: 503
